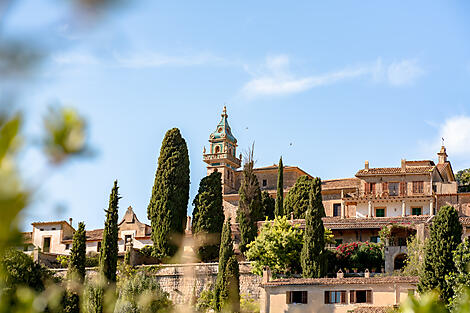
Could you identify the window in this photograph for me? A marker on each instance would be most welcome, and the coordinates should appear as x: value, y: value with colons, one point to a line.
x: 380, y: 212
x: 265, y: 182
x: 375, y: 239
x: 293, y: 297
x: 46, y: 245
x: 403, y: 188
x: 338, y: 242
x: 418, y: 187
x: 360, y: 296
x: 67, y: 246
x: 370, y: 188
x: 336, y: 209
x: 98, y: 246
x: 41, y: 229
x: 217, y: 149
x: 393, y: 189
x: 53, y: 228
x: 335, y: 296
x: 416, y: 211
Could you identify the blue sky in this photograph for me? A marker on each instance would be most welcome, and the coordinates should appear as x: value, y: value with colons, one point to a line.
x: 326, y: 85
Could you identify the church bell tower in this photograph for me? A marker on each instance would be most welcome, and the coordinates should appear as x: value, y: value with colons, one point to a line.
x: 221, y: 156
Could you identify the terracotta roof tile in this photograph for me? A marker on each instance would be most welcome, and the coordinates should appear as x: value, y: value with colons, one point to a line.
x: 372, y: 309
x: 377, y: 280
x: 395, y: 170
x: 340, y: 183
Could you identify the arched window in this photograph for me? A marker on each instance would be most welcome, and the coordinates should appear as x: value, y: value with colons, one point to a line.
x: 217, y: 149
x: 399, y: 261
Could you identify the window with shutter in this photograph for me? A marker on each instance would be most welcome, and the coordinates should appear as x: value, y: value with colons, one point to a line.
x: 327, y: 297
x: 372, y: 188
x: 343, y: 297
x: 304, y: 297
x: 367, y: 188
x: 402, y: 188
x: 288, y: 297
x: 369, y: 296
x: 299, y: 297
x: 385, y: 187
x: 352, y: 296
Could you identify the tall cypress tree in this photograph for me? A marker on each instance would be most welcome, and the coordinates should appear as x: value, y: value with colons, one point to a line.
x: 445, y: 236
x: 268, y: 205
x: 76, y: 270
x: 78, y: 254
x: 297, y: 199
x: 250, y: 209
x: 227, y: 285
x: 109, y: 246
x: 313, y: 256
x: 279, y: 210
x: 170, y: 195
x: 208, y: 217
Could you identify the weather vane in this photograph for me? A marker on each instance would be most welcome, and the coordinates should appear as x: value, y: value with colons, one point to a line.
x: 442, y: 140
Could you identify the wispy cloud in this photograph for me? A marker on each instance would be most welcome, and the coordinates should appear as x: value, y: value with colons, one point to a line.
x: 75, y: 58
x: 276, y: 78
x: 152, y: 59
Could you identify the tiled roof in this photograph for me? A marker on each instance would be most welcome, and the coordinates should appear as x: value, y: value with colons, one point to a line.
x: 373, y: 309
x: 377, y: 280
x: 395, y: 170
x: 340, y: 183
x: 419, y: 162
x: 95, y: 234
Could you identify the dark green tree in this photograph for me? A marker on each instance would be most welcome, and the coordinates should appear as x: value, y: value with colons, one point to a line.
x: 463, y: 177
x: 226, y: 290
x: 297, y: 198
x: 109, y: 246
x: 170, y: 195
x: 268, y: 203
x: 208, y: 217
x: 314, y: 256
x: 77, y: 259
x: 250, y: 209
x: 279, y: 209
x: 445, y: 236
x: 76, y: 270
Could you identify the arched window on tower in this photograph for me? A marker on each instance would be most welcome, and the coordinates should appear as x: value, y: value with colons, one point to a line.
x: 217, y: 149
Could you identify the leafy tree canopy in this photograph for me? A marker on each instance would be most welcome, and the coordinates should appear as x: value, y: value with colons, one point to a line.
x: 278, y: 246
x: 463, y: 177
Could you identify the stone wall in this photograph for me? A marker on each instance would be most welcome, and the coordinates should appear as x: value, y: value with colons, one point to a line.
x: 183, y: 281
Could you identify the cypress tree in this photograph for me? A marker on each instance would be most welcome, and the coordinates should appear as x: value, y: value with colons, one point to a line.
x: 170, y: 195
x: 109, y: 246
x: 76, y: 270
x: 78, y: 254
x: 313, y: 256
x: 279, y: 211
x: 208, y: 217
x: 268, y: 205
x: 445, y: 236
x: 226, y: 291
x: 297, y: 199
x: 250, y: 209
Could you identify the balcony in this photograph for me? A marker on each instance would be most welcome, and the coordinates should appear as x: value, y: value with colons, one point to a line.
x: 227, y: 157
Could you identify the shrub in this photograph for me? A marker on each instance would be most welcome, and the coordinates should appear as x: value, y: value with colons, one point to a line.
x: 360, y: 255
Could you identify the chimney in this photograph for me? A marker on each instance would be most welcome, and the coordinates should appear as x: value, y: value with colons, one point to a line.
x: 366, y: 165
x: 366, y: 273
x: 292, y: 216
x: 70, y: 221
x: 266, y: 274
x: 188, y: 223
x: 340, y: 274
x: 403, y: 164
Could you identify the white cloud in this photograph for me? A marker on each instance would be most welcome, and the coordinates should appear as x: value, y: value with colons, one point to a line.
x: 404, y: 72
x: 275, y: 77
x: 75, y: 58
x: 456, y: 134
x: 152, y: 59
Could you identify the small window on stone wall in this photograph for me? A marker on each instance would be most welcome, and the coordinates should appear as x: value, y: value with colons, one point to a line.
x: 265, y: 182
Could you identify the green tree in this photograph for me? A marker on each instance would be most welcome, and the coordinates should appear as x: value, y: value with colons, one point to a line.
x: 225, y: 283
x: 268, y: 204
x: 463, y: 177
x: 297, y: 198
x: 460, y: 279
x: 250, y: 209
x: 445, y: 236
x: 313, y: 256
x: 170, y: 195
x: 77, y: 258
x: 109, y: 246
x: 76, y: 270
x: 278, y: 246
x: 230, y: 295
x: 279, y: 210
x: 208, y: 217
x: 415, y: 250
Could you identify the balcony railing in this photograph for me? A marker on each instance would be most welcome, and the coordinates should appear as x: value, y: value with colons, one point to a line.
x: 224, y: 155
